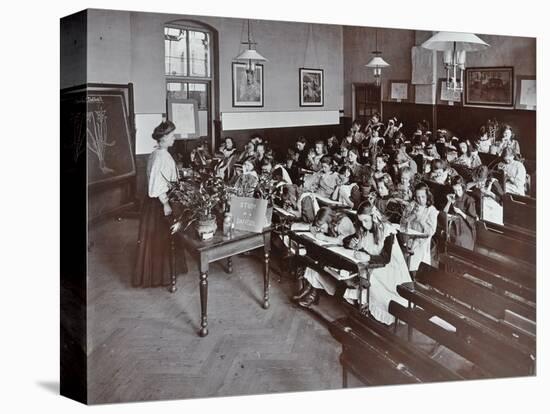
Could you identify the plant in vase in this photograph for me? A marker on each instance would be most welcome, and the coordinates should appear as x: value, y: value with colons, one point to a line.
x: 196, y: 202
x: 268, y: 189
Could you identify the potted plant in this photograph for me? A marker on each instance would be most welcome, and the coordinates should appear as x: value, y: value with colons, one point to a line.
x: 267, y: 189
x: 196, y: 201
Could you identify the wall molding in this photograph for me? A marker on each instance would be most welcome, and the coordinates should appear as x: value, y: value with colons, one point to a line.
x: 277, y: 119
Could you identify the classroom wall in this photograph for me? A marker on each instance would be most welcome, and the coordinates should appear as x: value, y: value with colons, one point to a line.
x: 129, y: 47
x: 359, y: 42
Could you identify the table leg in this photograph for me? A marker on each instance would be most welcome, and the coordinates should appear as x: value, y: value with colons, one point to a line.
x: 229, y: 264
x: 266, y: 280
x: 173, y: 287
x: 204, y: 302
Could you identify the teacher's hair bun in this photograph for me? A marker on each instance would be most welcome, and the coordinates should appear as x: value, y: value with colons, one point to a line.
x: 163, y: 129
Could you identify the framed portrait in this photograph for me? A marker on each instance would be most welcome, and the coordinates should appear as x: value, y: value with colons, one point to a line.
x: 526, y: 92
x: 400, y: 91
x: 489, y: 86
x: 248, y: 87
x: 312, y: 87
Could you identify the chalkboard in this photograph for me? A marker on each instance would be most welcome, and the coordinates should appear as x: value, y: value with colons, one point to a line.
x: 101, y: 130
x: 109, y: 147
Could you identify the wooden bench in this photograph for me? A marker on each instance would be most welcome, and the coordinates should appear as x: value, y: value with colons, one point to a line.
x: 478, y: 298
x: 492, y: 338
x: 377, y: 356
x: 506, y: 243
x: 492, y: 362
x: 520, y: 211
x: 518, y: 280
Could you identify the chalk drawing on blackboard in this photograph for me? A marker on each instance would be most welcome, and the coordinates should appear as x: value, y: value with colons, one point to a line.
x: 108, y: 139
x: 98, y: 137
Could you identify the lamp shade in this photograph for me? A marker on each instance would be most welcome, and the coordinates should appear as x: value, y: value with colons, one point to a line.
x: 251, y: 54
x: 377, y: 62
x: 468, y: 42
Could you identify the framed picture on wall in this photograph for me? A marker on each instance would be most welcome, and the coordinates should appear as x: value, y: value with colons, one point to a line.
x: 446, y: 96
x: 311, y: 84
x: 248, y: 86
x: 526, y: 92
x: 400, y: 91
x: 489, y: 86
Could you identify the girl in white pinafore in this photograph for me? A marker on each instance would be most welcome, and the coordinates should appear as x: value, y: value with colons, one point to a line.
x: 376, y: 242
x: 421, y: 216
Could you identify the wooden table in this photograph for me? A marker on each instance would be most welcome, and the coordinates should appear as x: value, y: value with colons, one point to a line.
x: 220, y: 247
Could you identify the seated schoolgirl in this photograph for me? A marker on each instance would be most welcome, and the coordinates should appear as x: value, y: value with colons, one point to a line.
x: 402, y: 160
x: 224, y: 168
x: 249, y: 153
x: 200, y: 157
x: 301, y: 152
x: 430, y: 152
x: 380, y: 198
x: 421, y: 216
x: 332, y: 146
x: 403, y: 192
x: 374, y: 241
x: 467, y: 157
x: 332, y: 227
x: 508, y: 141
x: 376, y: 141
x: 484, y: 143
x: 381, y: 171
x: 353, y: 163
x: 347, y: 192
x: 462, y: 231
x: 341, y: 157
x: 514, y: 172
x: 313, y: 162
x: 439, y: 172
x: 324, y: 181
x: 246, y: 183
x: 392, y: 129
x: 487, y: 194
x: 261, y: 153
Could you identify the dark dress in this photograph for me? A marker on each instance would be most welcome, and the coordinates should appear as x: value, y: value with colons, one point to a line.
x: 153, y: 264
x: 462, y: 231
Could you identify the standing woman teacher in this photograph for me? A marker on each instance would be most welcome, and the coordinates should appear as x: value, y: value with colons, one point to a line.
x: 152, y: 265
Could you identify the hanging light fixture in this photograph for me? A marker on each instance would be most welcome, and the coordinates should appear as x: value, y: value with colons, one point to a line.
x: 454, y: 46
x: 377, y: 63
x: 250, y: 55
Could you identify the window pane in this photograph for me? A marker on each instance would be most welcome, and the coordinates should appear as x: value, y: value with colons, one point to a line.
x: 199, y: 50
x: 176, y: 90
x: 198, y: 92
x: 175, y: 51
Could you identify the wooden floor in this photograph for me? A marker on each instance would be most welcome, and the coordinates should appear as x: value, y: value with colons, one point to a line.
x: 143, y: 343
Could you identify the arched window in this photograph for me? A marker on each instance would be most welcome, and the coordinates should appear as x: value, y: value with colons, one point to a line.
x: 189, y: 50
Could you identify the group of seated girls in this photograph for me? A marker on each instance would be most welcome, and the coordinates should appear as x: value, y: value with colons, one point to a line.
x: 385, y: 177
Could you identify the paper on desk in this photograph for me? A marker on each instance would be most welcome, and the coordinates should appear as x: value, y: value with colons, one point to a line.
x: 444, y: 324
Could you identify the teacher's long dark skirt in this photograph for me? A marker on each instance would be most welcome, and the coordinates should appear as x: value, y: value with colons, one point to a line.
x: 153, y: 252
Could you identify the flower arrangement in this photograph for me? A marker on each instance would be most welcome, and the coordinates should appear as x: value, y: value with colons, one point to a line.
x: 196, y: 200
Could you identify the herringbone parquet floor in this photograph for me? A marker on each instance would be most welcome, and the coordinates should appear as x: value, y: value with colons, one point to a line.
x: 143, y: 343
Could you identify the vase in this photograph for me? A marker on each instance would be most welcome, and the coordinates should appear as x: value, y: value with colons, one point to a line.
x: 206, y: 228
